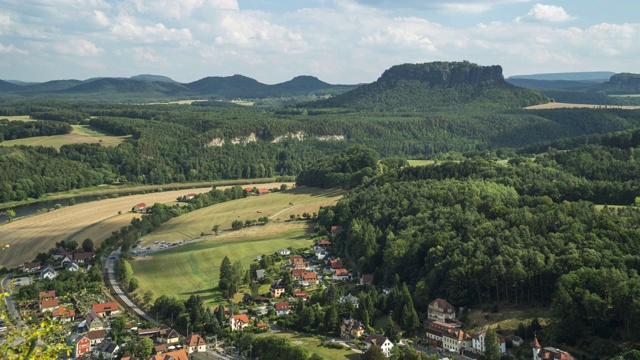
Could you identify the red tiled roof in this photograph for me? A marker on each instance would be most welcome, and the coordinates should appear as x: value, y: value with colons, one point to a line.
x: 336, y: 264
x: 367, y: 278
x: 110, y: 306
x: 175, y: 354
x: 299, y: 294
x: 195, y: 340
x: 46, y: 304
x: 324, y: 242
x: 95, y: 334
x: 298, y: 272
x: 46, y: 294
x: 142, y: 205
x: 261, y: 325
x: 376, y: 339
x: 82, y: 255
x: 34, y: 265
x: 248, y: 189
x: 336, y: 228
x: 263, y: 191
x: 192, y: 194
x: 309, y: 275
x: 283, y: 305
x: 342, y: 272
x: 241, y: 317
x: 63, y: 312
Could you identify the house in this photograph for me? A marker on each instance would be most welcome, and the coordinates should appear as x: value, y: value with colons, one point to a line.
x: 437, y: 329
x: 366, y: 279
x: 246, y: 298
x: 456, y: 340
x: 516, y: 340
x: 351, y: 329
x: 72, y: 266
x: 277, y: 289
x: 107, y: 350
x: 341, y: 274
x: 261, y: 310
x: 96, y: 336
x: 81, y: 344
x: 190, y: 196
x: 248, y: 189
x: 93, y: 321
x: 49, y: 305
x: 263, y: 191
x: 336, y: 229
x: 128, y: 356
x: 63, y: 314
x: 322, y: 245
x: 141, y: 208
x: 550, y: 353
x: 106, y: 309
x: 380, y: 341
x: 238, y: 322
x: 296, y: 274
x: 441, y: 310
x: 309, y: 278
x: 169, y: 336
x: 159, y: 349
x: 148, y: 333
x: 300, y: 294
x: 262, y: 326
x: 48, y: 273
x: 282, y: 308
x: 259, y: 274
x: 31, y: 267
x: 284, y: 252
x: 297, y: 262
x: 320, y: 255
x: 336, y: 264
x: 195, y: 343
x: 66, y: 259
x: 350, y: 298
x: 180, y: 354
x: 82, y: 257
x: 46, y: 295
x: 478, y: 344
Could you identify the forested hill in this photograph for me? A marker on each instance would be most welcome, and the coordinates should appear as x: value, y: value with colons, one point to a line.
x: 437, y: 85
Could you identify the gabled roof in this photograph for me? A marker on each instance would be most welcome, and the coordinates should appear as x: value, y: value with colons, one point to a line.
x: 46, y: 304
x: 241, y: 317
x: 376, y: 339
x: 263, y: 191
x: 46, y: 295
x: 535, y: 342
x: 196, y: 340
x: 336, y: 264
x: 342, y: 272
x: 180, y: 354
x: 282, y: 305
x: 95, y: 334
x: 367, y: 278
x: 33, y: 265
x: 82, y: 255
x: 141, y: 205
x: 191, y: 194
x: 72, y: 266
x: 299, y: 294
x: 309, y: 275
x: 261, y: 325
x: 147, y: 332
x: 277, y: 284
x: 63, y: 312
x: 335, y: 229
x: 298, y: 272
x: 324, y: 242
x: 442, y: 304
x: 91, y: 316
x: 104, y: 307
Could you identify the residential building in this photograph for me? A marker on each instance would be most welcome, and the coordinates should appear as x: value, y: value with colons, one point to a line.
x: 284, y: 252
x: 296, y: 274
x: 322, y: 245
x: 81, y: 344
x: 31, y: 267
x: 96, y: 336
x: 456, y: 340
x: 478, y: 344
x: 548, y: 353
x: 350, y: 298
x: 336, y: 264
x: 351, y: 329
x: 263, y: 191
x: 141, y: 208
x: 336, y: 229
x: 300, y: 294
x: 46, y: 295
x: 49, y: 305
x: 259, y: 274
x: 169, y: 336
x: 516, y: 340
x: 282, y: 308
x: 297, y: 262
x: 63, y: 314
x: 195, y: 343
x: 441, y: 310
x: 72, y: 266
x: 93, y: 321
x: 380, y: 341
x: 341, y: 274
x: 48, y: 273
x: 366, y: 279
x: 437, y: 329
x: 277, y: 289
x: 107, y: 350
x: 82, y: 257
x: 238, y: 322
x: 106, y: 309
x: 180, y: 354
x: 309, y: 278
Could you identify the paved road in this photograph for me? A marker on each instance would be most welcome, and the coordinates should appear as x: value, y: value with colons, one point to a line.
x: 121, y: 296
x: 10, y: 303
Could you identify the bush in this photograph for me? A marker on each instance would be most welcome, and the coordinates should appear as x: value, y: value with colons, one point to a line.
x: 72, y: 201
x: 57, y: 206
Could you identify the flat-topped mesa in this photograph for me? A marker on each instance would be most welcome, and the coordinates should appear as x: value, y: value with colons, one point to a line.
x: 626, y: 79
x: 444, y: 73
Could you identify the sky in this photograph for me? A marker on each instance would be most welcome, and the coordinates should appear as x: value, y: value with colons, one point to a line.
x: 338, y: 41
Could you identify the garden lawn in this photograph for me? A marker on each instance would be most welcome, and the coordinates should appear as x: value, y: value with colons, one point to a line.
x: 195, y: 268
x: 313, y: 345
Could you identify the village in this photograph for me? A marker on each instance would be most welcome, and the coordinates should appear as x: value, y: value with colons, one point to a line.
x: 99, y: 328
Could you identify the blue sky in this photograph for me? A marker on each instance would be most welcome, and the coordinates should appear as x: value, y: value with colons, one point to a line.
x: 339, y: 41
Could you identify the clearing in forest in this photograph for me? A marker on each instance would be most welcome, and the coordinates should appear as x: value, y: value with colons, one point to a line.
x: 81, y: 134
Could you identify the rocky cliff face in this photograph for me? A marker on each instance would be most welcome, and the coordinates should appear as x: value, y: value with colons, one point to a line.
x: 626, y: 80
x: 445, y: 73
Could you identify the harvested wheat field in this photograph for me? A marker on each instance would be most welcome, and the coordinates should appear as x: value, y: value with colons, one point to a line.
x: 555, y: 105
x: 96, y: 220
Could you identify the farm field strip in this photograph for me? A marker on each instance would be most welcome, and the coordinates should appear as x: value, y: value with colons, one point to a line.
x: 195, y: 268
x: 81, y: 134
x: 38, y: 233
x: 579, y: 106
x: 194, y: 224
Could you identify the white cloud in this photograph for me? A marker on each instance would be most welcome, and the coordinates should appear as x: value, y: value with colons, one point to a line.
x: 393, y: 36
x: 126, y: 27
x: 147, y: 55
x: 78, y: 47
x: 474, y: 7
x: 182, y: 9
x: 101, y: 18
x: 548, y: 13
x: 10, y: 49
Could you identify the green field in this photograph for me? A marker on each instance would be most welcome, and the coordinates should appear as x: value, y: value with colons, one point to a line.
x: 80, y: 134
x: 313, y: 345
x: 275, y: 206
x: 195, y: 268
x: 17, y: 117
x: 421, y: 162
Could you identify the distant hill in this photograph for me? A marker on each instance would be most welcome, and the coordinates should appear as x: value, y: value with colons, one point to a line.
x: 552, y: 84
x: 18, y: 82
x: 592, y: 93
x: 229, y: 86
x: 119, y: 86
x: 308, y: 85
x: 6, y: 86
x: 153, y: 78
x: 624, y: 83
x: 53, y: 85
x: 592, y: 76
x: 435, y: 85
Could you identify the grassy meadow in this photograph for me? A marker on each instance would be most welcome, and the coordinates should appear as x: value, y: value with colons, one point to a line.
x: 81, y: 134
x: 195, y: 268
x: 314, y: 346
x: 421, y: 162
x: 277, y: 206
